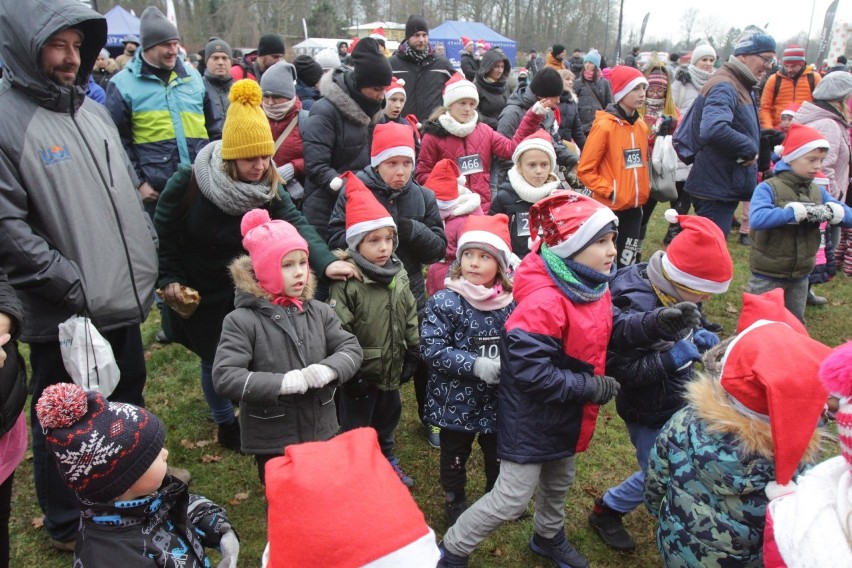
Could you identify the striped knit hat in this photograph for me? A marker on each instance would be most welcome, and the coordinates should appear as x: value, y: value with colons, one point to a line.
x: 836, y: 376
x: 794, y: 53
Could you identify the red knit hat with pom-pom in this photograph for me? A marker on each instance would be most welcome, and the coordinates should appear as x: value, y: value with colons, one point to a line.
x: 267, y: 242
x: 101, y: 448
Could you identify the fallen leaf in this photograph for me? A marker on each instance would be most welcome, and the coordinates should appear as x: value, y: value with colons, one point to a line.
x: 203, y: 443
x: 239, y: 498
x: 208, y: 458
x: 498, y: 552
x: 188, y: 444
x: 147, y: 355
x: 731, y: 308
x: 37, y: 522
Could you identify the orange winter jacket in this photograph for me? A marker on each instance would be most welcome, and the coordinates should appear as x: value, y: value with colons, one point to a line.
x: 603, y: 167
x: 556, y: 63
x: 789, y: 91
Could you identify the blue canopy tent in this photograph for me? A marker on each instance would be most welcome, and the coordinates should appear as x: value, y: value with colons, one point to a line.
x: 449, y: 33
x: 120, y: 23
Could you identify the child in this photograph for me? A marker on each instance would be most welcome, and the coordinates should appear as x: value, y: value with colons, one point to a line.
x: 281, y: 354
x: 787, y: 116
x: 811, y: 526
x: 531, y: 178
x: 134, y: 514
x: 614, y: 163
x: 455, y: 203
x: 655, y: 340
x: 459, y: 337
x: 379, y: 308
x: 394, y: 103
x: 337, y: 504
x: 552, y: 356
x: 454, y: 131
x: 786, y: 211
x: 750, y: 420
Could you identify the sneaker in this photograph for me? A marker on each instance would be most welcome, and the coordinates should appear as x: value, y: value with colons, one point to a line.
x: 450, y: 560
x: 433, y: 436
x: 179, y: 473
x: 608, y: 524
x: 744, y: 240
x: 559, y: 550
x: 453, y: 510
x: 229, y: 436
x: 161, y: 337
x: 63, y: 546
x: 407, y: 481
x: 814, y: 300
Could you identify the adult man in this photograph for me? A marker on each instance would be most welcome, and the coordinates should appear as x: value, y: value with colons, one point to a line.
x: 75, y: 237
x: 424, y: 72
x: 794, y: 83
x: 575, y: 62
x: 469, y: 64
x: 728, y: 132
x: 105, y: 68
x: 840, y: 64
x: 556, y: 57
x: 161, y: 108
x: 131, y: 44
x: 534, y: 63
x: 217, y: 74
x: 632, y: 58
x: 270, y: 50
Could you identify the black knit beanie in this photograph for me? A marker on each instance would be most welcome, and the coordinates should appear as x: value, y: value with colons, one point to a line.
x: 307, y: 70
x: 270, y: 44
x: 557, y: 49
x: 372, y: 68
x: 547, y: 83
x: 415, y: 24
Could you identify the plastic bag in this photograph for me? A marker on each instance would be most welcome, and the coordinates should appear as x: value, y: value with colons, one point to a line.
x: 663, y: 168
x: 87, y: 356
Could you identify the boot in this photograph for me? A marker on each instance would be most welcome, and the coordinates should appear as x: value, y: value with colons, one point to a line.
x: 814, y: 300
x: 608, y: 524
x: 450, y: 560
x: 229, y: 436
x: 671, y: 233
x: 744, y: 240
x: 453, y: 510
x: 559, y: 550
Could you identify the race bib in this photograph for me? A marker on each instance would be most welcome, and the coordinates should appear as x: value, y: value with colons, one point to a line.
x: 487, y: 347
x: 632, y: 158
x: 470, y: 164
x: 522, y: 224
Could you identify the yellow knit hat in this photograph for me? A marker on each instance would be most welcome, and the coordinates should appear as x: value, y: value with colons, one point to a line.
x: 246, y: 133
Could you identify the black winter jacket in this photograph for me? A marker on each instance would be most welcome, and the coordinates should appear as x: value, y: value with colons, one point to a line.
x: 492, y: 96
x: 424, y: 81
x: 570, y: 127
x: 469, y: 65
x: 13, y: 384
x: 592, y: 96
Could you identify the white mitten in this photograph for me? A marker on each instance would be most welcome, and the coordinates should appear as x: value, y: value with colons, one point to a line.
x: 294, y: 383
x: 837, y: 212
x: 487, y: 369
x: 317, y: 375
x: 229, y: 545
x: 540, y: 109
x: 800, y: 212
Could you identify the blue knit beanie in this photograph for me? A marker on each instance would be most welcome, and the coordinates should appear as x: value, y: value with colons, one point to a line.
x: 754, y: 44
x: 594, y: 57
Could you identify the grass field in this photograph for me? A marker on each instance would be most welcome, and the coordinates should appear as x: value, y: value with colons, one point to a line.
x: 173, y: 393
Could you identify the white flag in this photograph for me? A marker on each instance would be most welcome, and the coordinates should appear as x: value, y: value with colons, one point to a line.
x: 171, y: 15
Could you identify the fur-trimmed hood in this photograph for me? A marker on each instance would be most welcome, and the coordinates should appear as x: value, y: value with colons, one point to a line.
x: 713, y: 406
x: 249, y: 291
x: 468, y: 202
x: 333, y: 87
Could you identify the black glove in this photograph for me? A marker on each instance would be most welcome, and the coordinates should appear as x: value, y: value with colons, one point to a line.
x: 358, y: 388
x: 673, y: 321
x: 404, y: 228
x: 605, y: 389
x: 408, y: 368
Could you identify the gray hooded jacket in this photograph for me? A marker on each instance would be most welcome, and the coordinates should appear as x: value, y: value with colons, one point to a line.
x: 75, y: 237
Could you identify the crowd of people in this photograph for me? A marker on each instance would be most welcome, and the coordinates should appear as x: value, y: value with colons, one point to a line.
x: 319, y: 233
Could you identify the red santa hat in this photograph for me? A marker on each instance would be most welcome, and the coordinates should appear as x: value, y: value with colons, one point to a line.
x: 444, y: 181
x: 698, y: 256
x: 835, y: 373
x: 458, y: 88
x: 568, y: 221
x: 489, y: 233
x: 539, y: 140
x: 770, y: 373
x: 794, y: 53
x: 769, y: 305
x: 624, y: 79
x: 396, y: 87
x: 378, y: 34
x: 364, y: 213
x: 791, y: 109
x: 480, y: 44
x: 339, y: 504
x: 800, y: 140
x: 466, y: 41
x: 391, y: 139
x: 821, y: 179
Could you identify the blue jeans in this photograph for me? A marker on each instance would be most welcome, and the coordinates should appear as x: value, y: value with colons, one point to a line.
x: 221, y: 408
x: 720, y: 212
x: 630, y: 493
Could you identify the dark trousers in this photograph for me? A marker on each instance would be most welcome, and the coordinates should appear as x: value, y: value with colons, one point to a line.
x: 261, y: 460
x: 5, y: 514
x: 683, y: 201
x: 720, y: 212
x: 455, y: 451
x: 380, y: 410
x: 629, y: 231
x: 57, y: 501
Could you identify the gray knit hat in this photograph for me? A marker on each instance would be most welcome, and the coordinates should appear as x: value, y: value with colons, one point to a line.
x: 835, y: 86
x: 279, y: 81
x: 216, y: 45
x: 155, y: 28
x: 328, y: 59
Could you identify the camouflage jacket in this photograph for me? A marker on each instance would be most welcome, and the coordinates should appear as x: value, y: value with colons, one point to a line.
x: 705, y: 482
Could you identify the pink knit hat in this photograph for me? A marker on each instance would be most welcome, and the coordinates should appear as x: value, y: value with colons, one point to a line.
x: 267, y: 242
x: 835, y: 373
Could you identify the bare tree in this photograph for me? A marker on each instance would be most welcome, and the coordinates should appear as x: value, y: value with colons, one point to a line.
x: 687, y: 23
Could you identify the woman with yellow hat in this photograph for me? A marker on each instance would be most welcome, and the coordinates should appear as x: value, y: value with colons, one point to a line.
x: 198, y: 224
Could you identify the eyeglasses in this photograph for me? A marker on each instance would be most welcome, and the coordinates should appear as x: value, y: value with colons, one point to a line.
x: 767, y: 61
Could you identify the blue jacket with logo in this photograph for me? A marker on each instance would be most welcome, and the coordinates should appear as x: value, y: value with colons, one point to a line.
x: 161, y: 125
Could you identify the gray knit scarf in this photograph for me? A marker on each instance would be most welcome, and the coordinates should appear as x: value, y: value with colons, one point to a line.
x: 232, y: 196
x: 697, y: 76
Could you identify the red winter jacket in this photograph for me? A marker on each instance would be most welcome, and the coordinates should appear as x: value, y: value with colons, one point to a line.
x: 290, y: 151
x: 439, y: 144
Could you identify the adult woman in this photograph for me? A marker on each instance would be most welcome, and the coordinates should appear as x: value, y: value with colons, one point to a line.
x: 594, y: 93
x: 490, y: 81
x: 282, y: 108
x: 570, y: 127
x: 198, y: 222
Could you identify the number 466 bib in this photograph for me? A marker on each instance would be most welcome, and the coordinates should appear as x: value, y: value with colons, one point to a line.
x: 470, y: 164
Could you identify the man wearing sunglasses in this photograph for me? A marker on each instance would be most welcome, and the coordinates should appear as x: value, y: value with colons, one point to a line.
x: 724, y: 119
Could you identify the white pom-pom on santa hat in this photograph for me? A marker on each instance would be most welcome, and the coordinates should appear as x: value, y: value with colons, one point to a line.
x: 671, y: 216
x: 779, y: 149
x: 774, y: 490
x: 336, y: 183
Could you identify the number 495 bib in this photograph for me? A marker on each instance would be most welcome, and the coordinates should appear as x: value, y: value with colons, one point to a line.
x: 632, y: 158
